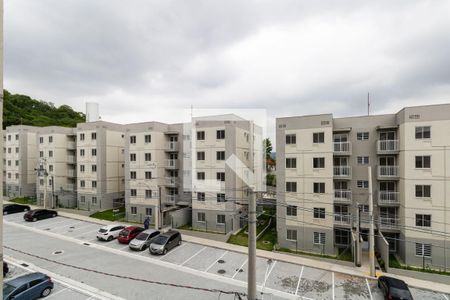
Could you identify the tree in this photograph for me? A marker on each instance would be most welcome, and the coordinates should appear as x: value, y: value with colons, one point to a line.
x: 268, y: 148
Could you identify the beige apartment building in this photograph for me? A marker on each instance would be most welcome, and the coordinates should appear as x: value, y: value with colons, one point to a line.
x: 322, y: 177
x: 57, y: 155
x: 20, y: 160
x: 100, y: 165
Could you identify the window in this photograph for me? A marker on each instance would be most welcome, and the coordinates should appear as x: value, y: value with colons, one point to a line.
x: 50, y: 139
x: 220, y: 155
x: 201, y: 196
x: 81, y: 168
x: 94, y: 168
x: 342, y: 237
x: 50, y: 182
x: 362, y: 160
x: 148, y: 211
x: 220, y: 219
x: 291, y: 139
x: 41, y: 153
x: 319, y: 238
x: 423, y: 250
x: 41, y: 181
x: 17, y: 162
x: 200, y: 155
x: 200, y: 175
x: 133, y: 192
x: 319, y: 213
x: 362, y: 136
x: 17, y: 175
x: 423, y: 220
x: 94, y: 152
x: 50, y: 153
x: 132, y: 139
x: 9, y: 163
x: 423, y: 132
x: 94, y: 184
x: 291, y: 187
x: 17, y: 137
x: 9, y: 150
x: 94, y: 200
x: 50, y: 168
x: 201, y: 217
x: 81, y: 136
x: 81, y: 152
x: 220, y: 176
x: 148, y: 156
x: 148, y: 194
x: 291, y: 163
x: 318, y: 137
x: 291, y: 210
x: 220, y: 134
x: 93, y: 136
x: 82, y: 183
x: 148, y: 175
x: 221, y: 197
x: 319, y: 187
x: 82, y: 199
x: 35, y: 282
x: 291, y: 234
x: 319, y: 162
x: 148, y: 138
x: 133, y: 175
x: 200, y: 135
x: 423, y: 191
x: 132, y: 156
x: 41, y: 140
x: 133, y: 210
x: 9, y: 137
x: 9, y: 176
x: 423, y: 162
x: 362, y: 184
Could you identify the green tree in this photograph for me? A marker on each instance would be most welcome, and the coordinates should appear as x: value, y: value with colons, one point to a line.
x: 268, y: 148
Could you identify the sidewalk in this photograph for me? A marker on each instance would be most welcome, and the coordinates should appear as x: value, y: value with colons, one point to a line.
x: 288, y: 258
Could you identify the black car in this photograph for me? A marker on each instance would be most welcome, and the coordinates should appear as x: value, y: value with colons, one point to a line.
x: 394, y: 288
x: 14, y: 208
x: 39, y: 214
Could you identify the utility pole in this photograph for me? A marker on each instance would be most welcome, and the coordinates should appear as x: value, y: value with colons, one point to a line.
x: 251, y: 282
x: 158, y: 209
x: 53, y: 192
x: 371, y: 232
x: 358, y: 234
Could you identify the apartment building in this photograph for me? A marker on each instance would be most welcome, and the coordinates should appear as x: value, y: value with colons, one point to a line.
x: 153, y: 172
x: 20, y: 160
x: 323, y: 181
x: 223, y: 159
x: 100, y: 165
x: 57, y: 155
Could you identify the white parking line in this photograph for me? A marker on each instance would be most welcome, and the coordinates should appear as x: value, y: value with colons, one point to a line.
x: 332, y: 282
x: 124, y: 247
x: 237, y: 271
x: 58, y: 292
x: 445, y: 297
x: 84, y: 233
x: 193, y: 256
x: 173, y: 251
x: 368, y: 287
x: 299, y: 278
x: 207, y: 269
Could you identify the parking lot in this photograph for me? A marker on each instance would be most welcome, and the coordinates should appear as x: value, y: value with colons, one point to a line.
x: 278, y: 278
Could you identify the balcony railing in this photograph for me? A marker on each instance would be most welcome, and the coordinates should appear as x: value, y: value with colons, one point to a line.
x: 387, y: 146
x: 389, y: 223
x: 388, y: 198
x: 342, y: 171
x: 71, y: 159
x: 172, y: 146
x: 170, y: 198
x: 342, y: 147
x: 172, y: 181
x: 70, y: 186
x: 343, y: 196
x: 342, y: 219
x: 71, y: 173
x: 172, y: 163
x: 71, y: 145
x: 388, y: 171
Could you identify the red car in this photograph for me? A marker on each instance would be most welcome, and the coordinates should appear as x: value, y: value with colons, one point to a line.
x: 129, y: 233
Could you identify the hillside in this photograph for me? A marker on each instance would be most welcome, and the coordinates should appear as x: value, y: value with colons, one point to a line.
x: 21, y: 109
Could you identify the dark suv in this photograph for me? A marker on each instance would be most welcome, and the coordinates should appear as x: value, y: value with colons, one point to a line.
x: 165, y: 242
x: 27, y: 287
x: 14, y: 208
x: 39, y: 214
x: 394, y: 288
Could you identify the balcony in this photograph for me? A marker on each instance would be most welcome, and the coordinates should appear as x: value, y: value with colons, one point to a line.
x: 71, y: 145
x: 342, y: 148
x: 171, y: 147
x: 71, y: 159
x: 171, y: 181
x: 71, y: 173
x: 70, y: 186
x: 342, y: 172
x: 387, y: 146
x: 172, y: 164
x: 388, y: 172
x: 343, y: 219
x: 343, y: 196
x: 389, y: 223
x: 388, y: 198
x: 170, y: 198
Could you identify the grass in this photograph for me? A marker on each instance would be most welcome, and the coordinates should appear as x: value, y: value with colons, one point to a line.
x: 24, y: 200
x: 395, y: 263
x: 108, y: 214
x: 344, y: 256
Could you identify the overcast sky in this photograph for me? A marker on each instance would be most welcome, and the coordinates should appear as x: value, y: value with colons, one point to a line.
x: 142, y: 60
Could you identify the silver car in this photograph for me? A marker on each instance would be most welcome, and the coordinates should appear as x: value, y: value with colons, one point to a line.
x: 142, y: 240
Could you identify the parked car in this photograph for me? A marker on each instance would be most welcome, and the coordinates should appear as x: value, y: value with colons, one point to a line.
x: 109, y: 232
x: 394, y: 289
x: 39, y: 214
x: 165, y: 242
x: 5, y: 268
x: 129, y: 233
x: 14, y: 208
x: 27, y: 287
x: 143, y: 239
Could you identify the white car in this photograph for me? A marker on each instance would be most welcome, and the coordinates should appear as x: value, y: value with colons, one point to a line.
x: 109, y: 232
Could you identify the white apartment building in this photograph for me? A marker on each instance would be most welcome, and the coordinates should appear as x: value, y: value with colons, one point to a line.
x: 100, y: 165
x: 20, y: 160
x: 322, y: 176
x: 57, y: 155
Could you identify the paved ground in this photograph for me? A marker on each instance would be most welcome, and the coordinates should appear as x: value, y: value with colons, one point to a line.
x: 190, y: 264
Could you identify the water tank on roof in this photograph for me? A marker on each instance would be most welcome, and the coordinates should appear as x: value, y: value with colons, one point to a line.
x: 92, y: 112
